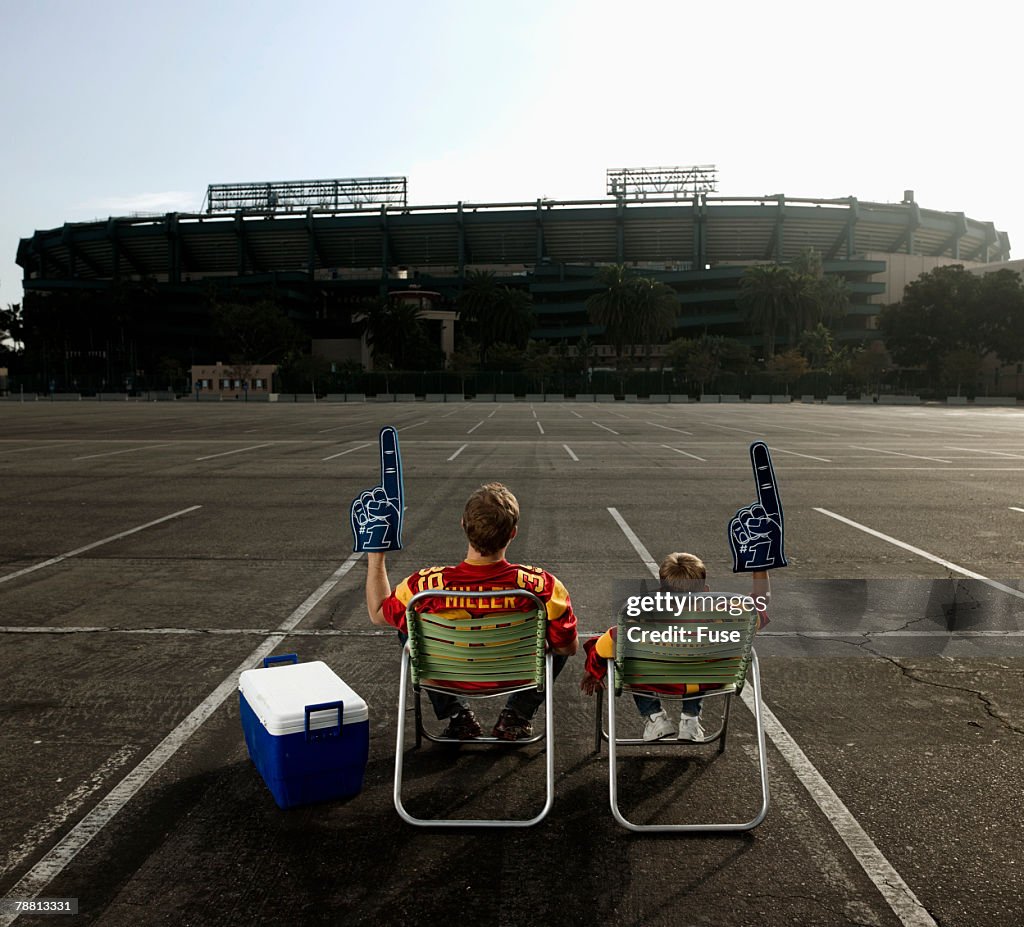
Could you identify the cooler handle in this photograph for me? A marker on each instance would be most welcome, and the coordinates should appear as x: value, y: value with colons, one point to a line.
x: 280, y: 658
x: 325, y: 731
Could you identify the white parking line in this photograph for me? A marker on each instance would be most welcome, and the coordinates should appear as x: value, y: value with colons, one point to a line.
x: 948, y: 564
x: 759, y: 434
x: 795, y: 454
x: 879, y: 450
x: 459, y: 451
x: 453, y: 412
x: 574, y: 412
x: 605, y: 427
x: 416, y: 425
x: 685, y: 453
x: 638, y: 545
x: 492, y: 413
x: 55, y: 861
x: 540, y: 427
x: 360, y: 421
x: 569, y: 451
x: 669, y: 428
x: 978, y: 450
x: 238, y: 450
x: 1016, y: 509
x: 899, y: 896
x: 47, y: 826
x: 349, y: 451
x: 128, y: 450
x: 82, y: 550
x: 478, y: 424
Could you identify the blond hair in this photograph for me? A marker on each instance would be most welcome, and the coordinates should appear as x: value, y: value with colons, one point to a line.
x: 490, y: 518
x: 681, y: 572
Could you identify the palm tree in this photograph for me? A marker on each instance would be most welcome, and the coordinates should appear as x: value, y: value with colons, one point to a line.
x: 497, y: 313
x: 612, y: 307
x: 765, y: 294
x: 654, y: 313
x: 395, y: 328
x: 512, y: 318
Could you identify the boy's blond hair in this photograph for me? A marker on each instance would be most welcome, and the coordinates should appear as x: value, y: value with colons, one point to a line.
x: 490, y: 518
x: 682, y: 572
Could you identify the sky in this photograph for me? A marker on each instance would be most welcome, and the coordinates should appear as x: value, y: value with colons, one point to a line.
x: 109, y: 107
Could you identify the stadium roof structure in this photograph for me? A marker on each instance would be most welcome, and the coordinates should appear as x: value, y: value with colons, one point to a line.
x: 700, y: 231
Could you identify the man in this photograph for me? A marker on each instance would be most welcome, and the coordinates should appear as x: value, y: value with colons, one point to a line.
x: 490, y: 521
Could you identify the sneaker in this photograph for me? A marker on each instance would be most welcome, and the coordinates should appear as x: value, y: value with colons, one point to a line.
x: 658, y: 726
x: 463, y: 725
x: 512, y: 726
x: 690, y: 729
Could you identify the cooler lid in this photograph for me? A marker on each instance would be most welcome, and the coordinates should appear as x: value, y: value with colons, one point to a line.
x: 278, y: 695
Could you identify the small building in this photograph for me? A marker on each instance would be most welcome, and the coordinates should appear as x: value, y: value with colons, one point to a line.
x: 233, y: 381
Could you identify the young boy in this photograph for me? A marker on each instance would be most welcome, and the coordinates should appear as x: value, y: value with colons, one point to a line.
x: 679, y: 573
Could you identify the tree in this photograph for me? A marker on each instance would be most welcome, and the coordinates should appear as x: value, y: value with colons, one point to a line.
x: 654, y: 313
x: 788, y: 367
x: 612, y: 307
x: 818, y: 346
x: 465, y: 358
x: 584, y: 355
x: 495, y: 313
x: 869, y: 365
x: 814, y: 296
x: 306, y: 369
x: 765, y: 293
x: 701, y: 360
x: 12, y: 327
x: 256, y: 333
x: 949, y: 310
x: 394, y: 329
x: 961, y: 368
x: 1001, y: 314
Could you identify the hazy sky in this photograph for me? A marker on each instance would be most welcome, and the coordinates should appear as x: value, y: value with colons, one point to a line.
x: 110, y: 107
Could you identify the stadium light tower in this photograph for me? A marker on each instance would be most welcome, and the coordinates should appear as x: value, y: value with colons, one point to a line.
x: 291, y: 195
x: 641, y: 182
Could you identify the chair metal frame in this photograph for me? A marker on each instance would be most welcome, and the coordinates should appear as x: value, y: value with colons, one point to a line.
x: 543, y: 676
x: 749, y: 663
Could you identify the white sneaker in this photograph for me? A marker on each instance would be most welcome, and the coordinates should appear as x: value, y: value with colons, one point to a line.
x: 658, y: 726
x: 690, y: 729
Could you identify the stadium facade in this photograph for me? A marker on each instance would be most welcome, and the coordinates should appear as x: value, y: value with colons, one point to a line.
x: 318, y: 263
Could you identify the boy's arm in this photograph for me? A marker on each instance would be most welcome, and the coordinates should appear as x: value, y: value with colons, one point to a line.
x: 762, y: 586
x: 378, y: 587
x: 598, y: 650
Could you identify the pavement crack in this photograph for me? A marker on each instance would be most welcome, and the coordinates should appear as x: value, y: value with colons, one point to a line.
x: 987, y: 702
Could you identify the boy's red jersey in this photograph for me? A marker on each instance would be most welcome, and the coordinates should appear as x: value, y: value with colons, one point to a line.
x: 471, y: 576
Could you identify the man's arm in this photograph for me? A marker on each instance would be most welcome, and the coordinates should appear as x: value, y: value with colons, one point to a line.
x: 378, y: 586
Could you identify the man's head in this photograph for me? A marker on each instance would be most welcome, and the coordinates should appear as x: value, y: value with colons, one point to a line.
x: 681, y: 572
x: 490, y: 518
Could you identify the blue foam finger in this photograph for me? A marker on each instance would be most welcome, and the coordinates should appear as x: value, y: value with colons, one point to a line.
x: 757, y: 531
x: 376, y: 514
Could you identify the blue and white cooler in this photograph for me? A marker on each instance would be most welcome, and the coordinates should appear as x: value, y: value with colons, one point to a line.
x: 307, y: 732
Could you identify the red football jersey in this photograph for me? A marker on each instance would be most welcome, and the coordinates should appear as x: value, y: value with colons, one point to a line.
x: 470, y: 576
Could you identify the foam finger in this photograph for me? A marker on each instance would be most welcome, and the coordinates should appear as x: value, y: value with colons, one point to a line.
x: 764, y: 478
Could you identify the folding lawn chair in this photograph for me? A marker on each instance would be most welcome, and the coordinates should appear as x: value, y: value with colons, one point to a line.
x: 506, y: 650
x: 643, y: 663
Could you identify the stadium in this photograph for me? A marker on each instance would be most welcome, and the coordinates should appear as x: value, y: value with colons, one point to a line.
x: 321, y: 250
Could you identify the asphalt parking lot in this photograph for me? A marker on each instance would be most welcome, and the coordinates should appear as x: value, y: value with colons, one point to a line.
x: 151, y: 551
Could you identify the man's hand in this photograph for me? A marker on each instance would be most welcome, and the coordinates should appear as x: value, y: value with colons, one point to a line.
x: 590, y: 685
x: 376, y: 514
x: 756, y: 532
